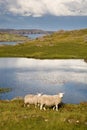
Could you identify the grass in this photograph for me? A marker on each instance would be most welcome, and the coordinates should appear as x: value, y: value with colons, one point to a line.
x: 62, y: 44
x: 14, y: 116
x: 6, y: 37
x: 4, y: 90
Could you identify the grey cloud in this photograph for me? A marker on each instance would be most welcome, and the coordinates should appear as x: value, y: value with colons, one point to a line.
x: 39, y: 8
x: 77, y: 7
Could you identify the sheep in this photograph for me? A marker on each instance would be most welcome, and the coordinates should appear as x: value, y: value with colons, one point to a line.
x: 50, y: 100
x: 31, y: 99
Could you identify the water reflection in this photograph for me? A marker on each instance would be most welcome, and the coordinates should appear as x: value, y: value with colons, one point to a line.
x: 8, y: 43
x: 34, y: 36
x: 47, y: 76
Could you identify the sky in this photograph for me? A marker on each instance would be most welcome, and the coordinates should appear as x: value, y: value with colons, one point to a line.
x: 45, y: 14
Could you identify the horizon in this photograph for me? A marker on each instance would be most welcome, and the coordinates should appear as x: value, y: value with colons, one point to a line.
x: 42, y: 29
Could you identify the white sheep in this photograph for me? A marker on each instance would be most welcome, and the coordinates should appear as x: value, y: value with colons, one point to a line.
x: 31, y: 99
x: 50, y: 100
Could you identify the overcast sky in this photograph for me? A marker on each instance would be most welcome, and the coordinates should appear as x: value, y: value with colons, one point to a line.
x: 39, y: 8
x: 39, y: 11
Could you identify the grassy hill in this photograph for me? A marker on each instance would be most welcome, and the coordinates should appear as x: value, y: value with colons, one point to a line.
x: 14, y: 116
x: 6, y: 37
x: 62, y: 44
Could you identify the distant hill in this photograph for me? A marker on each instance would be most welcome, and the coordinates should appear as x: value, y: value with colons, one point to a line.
x: 59, y: 45
x: 25, y: 31
x: 7, y: 37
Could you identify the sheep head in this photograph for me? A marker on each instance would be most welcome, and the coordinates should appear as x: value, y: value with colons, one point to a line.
x: 61, y: 95
x: 39, y: 94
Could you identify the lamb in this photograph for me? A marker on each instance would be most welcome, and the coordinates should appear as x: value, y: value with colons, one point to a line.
x: 50, y: 100
x: 31, y: 99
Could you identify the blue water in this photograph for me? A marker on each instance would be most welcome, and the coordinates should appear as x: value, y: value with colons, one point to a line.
x: 34, y: 36
x: 26, y: 76
x: 31, y: 36
x: 8, y: 43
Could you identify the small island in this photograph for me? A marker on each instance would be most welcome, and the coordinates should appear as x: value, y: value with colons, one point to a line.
x: 5, y: 90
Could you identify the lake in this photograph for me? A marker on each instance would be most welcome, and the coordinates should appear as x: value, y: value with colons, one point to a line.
x: 31, y: 36
x: 26, y: 76
x: 34, y: 36
x: 8, y: 43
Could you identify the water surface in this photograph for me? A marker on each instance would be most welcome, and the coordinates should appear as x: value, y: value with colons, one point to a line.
x: 47, y: 76
x: 8, y: 43
x: 34, y: 36
x: 31, y: 36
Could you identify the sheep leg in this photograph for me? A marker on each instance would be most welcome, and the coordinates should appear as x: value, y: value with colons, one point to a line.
x: 41, y: 107
x: 28, y: 105
x: 56, y: 107
x: 38, y: 104
x: 44, y: 108
x: 35, y: 105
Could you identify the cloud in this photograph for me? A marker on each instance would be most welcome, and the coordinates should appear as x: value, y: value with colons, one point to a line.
x: 38, y: 8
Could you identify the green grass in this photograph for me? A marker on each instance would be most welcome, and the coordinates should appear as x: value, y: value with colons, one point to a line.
x: 63, y: 44
x: 14, y: 116
x: 4, y: 90
x: 6, y: 37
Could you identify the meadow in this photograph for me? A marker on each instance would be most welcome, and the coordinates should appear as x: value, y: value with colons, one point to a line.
x: 14, y: 116
x: 59, y: 45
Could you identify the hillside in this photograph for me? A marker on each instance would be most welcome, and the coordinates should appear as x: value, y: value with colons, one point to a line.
x: 61, y: 44
x: 6, y: 37
x: 14, y: 116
